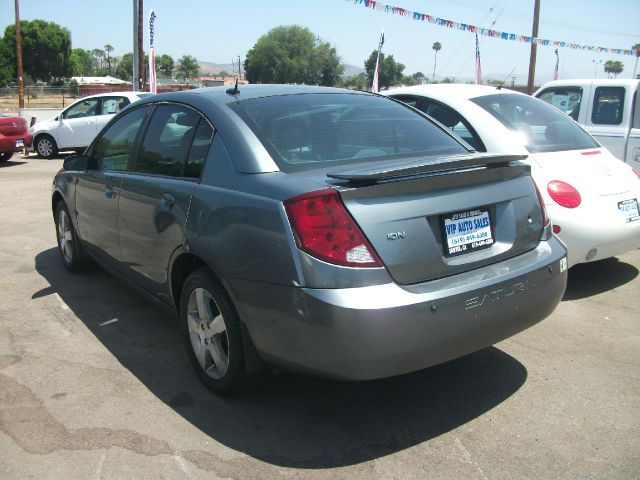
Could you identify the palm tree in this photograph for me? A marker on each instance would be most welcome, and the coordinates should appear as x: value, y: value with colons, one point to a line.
x: 636, y: 47
x: 613, y: 67
x: 108, y: 48
x: 98, y: 55
x: 436, y: 47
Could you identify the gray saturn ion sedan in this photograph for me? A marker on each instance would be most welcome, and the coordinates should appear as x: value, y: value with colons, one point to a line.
x: 327, y: 231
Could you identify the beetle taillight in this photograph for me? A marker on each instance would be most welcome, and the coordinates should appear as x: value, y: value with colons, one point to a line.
x: 564, y: 194
x: 324, y: 229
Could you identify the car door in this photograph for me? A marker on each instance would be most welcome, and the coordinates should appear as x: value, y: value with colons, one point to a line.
x: 632, y: 156
x: 155, y: 196
x: 610, y: 117
x: 77, y: 125
x: 98, y: 189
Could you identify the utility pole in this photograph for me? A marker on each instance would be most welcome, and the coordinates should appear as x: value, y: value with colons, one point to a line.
x: 19, y: 57
x: 134, y: 73
x: 141, y: 65
x: 534, y: 47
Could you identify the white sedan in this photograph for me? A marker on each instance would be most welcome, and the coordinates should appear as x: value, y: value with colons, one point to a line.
x: 591, y: 197
x: 77, y: 125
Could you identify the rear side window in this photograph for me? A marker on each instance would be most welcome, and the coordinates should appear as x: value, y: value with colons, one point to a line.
x: 113, y: 149
x: 304, y: 131
x: 198, y: 150
x: 167, y: 141
x: 113, y: 105
x: 565, y: 99
x: 608, y: 103
x: 541, y: 127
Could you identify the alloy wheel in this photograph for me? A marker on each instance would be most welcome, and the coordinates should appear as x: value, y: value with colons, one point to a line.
x: 65, y: 236
x: 208, y: 333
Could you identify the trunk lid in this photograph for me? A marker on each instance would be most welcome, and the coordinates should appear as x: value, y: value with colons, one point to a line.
x: 12, y: 125
x: 593, y: 172
x: 419, y: 215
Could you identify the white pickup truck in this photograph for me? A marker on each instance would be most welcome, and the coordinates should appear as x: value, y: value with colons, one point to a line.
x: 609, y: 109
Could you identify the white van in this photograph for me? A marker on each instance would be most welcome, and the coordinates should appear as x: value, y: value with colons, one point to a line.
x: 609, y: 109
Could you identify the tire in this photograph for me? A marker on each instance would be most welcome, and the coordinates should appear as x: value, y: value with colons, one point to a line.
x: 212, y: 333
x: 68, y: 243
x: 45, y: 146
x: 5, y: 156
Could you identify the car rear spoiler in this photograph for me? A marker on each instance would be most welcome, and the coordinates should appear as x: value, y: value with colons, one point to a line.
x: 372, y: 173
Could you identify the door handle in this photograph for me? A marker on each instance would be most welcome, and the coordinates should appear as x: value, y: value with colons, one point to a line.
x: 168, y: 200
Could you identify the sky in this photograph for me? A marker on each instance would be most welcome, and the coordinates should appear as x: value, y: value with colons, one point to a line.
x: 218, y: 31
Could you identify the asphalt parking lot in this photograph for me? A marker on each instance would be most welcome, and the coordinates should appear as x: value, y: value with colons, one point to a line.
x: 95, y: 383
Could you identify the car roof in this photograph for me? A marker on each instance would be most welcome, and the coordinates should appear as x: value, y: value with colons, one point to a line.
x: 446, y: 90
x: 127, y: 93
x: 222, y: 95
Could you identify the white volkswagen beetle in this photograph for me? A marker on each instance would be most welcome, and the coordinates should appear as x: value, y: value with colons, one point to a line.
x: 591, y: 197
x: 77, y: 125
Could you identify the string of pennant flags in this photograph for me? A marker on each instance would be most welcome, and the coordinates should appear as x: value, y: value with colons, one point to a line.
x: 487, y: 32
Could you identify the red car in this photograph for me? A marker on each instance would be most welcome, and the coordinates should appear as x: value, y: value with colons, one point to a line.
x: 14, y: 136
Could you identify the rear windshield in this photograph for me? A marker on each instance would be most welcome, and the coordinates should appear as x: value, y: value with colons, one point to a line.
x: 302, y: 131
x: 544, y: 128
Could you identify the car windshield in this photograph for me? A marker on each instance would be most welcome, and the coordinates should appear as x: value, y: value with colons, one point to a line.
x: 301, y: 131
x: 543, y: 128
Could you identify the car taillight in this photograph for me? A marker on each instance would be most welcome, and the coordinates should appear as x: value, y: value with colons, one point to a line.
x: 636, y: 172
x: 545, y: 216
x: 324, y: 229
x: 564, y: 194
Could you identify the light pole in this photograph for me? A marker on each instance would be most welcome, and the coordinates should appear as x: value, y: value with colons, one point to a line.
x: 596, y: 63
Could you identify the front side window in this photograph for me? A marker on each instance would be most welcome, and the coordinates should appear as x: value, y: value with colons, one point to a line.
x: 113, y: 149
x: 305, y: 131
x: 541, y: 127
x: 565, y: 99
x: 84, y: 108
x: 608, y: 103
x: 166, y: 143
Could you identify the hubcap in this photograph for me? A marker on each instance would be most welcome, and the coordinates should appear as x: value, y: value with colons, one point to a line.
x: 65, y: 236
x: 45, y: 148
x: 208, y: 333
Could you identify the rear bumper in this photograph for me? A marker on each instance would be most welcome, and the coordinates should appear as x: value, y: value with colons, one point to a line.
x: 8, y: 142
x: 385, y: 330
x: 595, y: 233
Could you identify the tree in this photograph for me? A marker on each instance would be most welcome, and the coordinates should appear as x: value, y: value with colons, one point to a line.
x: 46, y: 49
x: 7, y: 67
x: 390, y: 71
x: 357, y: 82
x: 613, y: 67
x: 293, y: 54
x: 108, y: 49
x: 187, y: 67
x: 124, y: 70
x: 165, y: 65
x: 82, y: 62
x: 636, y: 47
x: 437, y: 47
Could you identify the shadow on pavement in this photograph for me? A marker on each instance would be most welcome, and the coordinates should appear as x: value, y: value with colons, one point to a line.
x: 588, y: 279
x: 291, y: 420
x: 11, y: 163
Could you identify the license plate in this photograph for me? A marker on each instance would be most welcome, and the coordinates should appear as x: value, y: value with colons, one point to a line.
x: 467, y: 231
x: 629, y: 210
x: 19, y: 143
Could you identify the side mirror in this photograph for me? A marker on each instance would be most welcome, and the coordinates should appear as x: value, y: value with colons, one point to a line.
x: 76, y: 162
